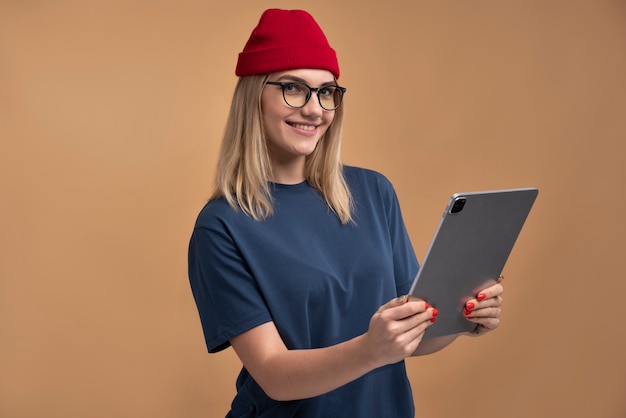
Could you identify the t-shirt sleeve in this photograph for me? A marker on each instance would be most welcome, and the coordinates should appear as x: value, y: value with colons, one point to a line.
x: 227, y: 297
x: 404, y: 259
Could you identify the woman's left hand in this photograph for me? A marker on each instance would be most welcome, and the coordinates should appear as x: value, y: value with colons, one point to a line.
x: 484, y: 309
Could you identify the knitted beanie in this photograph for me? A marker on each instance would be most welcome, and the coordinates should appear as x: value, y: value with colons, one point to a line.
x: 286, y: 40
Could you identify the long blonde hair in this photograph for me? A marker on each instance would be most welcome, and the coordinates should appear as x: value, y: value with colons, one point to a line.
x: 243, y: 166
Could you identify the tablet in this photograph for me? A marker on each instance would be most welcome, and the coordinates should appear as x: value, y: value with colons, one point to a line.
x: 468, y: 252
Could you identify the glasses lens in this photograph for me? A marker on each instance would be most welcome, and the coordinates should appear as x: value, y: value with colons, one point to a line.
x: 330, y: 97
x: 295, y: 94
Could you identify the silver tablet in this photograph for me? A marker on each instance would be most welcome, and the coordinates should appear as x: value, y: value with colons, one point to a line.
x: 468, y: 252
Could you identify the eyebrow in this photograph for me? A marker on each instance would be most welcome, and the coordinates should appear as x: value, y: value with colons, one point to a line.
x: 290, y: 77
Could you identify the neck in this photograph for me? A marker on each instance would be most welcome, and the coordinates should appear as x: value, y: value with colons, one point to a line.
x: 291, y: 173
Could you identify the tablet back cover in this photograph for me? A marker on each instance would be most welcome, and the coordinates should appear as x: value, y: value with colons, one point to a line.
x: 468, y: 252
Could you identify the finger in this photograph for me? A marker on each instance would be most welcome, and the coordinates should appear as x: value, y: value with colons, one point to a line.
x: 486, y: 322
x: 402, y: 299
x: 408, y: 340
x: 487, y: 303
x: 472, y: 304
x: 399, y: 301
x: 491, y: 312
x: 416, y: 333
x: 399, y: 325
x: 479, y: 330
x: 490, y: 292
x: 403, y: 306
x: 416, y: 325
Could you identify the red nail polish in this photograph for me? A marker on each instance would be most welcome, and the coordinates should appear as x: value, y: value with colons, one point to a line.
x: 435, y: 312
x: 433, y: 319
x: 481, y: 296
x: 469, y: 305
x: 426, y: 305
x: 467, y: 312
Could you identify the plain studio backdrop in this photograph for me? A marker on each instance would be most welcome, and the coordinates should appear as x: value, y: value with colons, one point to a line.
x: 111, y: 115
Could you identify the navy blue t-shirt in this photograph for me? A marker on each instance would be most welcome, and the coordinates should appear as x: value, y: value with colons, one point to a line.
x: 318, y: 280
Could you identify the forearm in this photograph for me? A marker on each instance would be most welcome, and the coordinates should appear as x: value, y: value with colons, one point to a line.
x: 299, y: 374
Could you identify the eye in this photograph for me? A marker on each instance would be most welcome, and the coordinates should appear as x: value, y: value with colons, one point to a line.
x: 295, y: 88
x: 327, y: 91
x: 288, y: 87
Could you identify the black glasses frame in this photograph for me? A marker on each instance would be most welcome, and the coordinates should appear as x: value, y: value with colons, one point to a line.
x: 284, y: 84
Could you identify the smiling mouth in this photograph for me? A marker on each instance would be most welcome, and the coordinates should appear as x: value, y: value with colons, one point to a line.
x: 303, y: 127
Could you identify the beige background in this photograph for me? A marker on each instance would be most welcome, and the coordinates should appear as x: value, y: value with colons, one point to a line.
x: 110, y: 117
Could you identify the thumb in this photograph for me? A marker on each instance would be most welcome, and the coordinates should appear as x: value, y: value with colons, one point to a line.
x: 400, y: 300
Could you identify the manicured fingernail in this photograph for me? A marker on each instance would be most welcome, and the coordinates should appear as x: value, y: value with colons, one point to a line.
x: 435, y: 312
x: 469, y: 305
x: 481, y: 296
x: 426, y: 305
x: 433, y: 319
x: 467, y: 312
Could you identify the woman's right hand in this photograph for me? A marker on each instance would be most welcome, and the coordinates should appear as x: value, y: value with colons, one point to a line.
x: 397, y: 328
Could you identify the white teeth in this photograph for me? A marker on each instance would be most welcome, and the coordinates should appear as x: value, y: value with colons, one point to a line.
x: 303, y: 127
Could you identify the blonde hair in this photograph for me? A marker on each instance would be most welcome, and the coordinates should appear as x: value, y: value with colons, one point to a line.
x: 244, y: 169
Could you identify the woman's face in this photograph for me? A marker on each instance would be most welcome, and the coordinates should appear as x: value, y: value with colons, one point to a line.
x: 293, y: 133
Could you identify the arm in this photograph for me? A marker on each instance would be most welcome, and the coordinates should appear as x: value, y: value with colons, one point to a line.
x: 395, y: 331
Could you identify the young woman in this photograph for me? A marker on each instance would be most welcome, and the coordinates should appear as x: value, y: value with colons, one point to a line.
x: 299, y: 262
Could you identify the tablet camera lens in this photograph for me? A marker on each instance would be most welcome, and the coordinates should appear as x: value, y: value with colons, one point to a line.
x: 458, y: 205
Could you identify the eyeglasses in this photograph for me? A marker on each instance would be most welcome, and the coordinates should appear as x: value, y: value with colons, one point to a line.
x: 297, y: 94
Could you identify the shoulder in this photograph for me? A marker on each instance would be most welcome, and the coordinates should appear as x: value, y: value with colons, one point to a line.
x: 367, y: 179
x: 217, y: 212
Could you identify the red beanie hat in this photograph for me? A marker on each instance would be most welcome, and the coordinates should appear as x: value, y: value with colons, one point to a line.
x: 286, y: 40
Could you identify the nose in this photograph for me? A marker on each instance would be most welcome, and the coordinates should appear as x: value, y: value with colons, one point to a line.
x: 313, y: 107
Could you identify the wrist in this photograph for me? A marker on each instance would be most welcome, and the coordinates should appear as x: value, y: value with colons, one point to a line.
x: 363, y: 353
